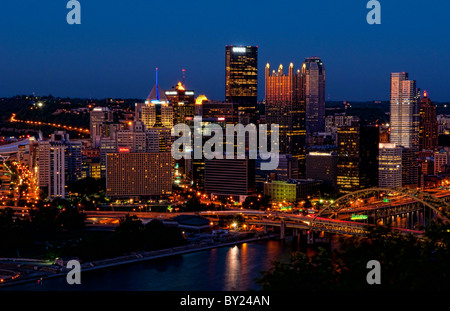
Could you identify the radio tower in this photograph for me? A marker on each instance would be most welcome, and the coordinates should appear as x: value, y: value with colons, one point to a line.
x: 184, y: 77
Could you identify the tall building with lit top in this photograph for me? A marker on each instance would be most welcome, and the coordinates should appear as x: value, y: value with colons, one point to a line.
x: 99, y: 117
x: 157, y: 116
x: 241, y: 79
x: 404, y: 111
x: 285, y: 108
x: 183, y: 103
x: 313, y: 93
x: 389, y: 166
x: 357, y: 166
x: 428, y: 129
x: 157, y: 111
x: 322, y: 166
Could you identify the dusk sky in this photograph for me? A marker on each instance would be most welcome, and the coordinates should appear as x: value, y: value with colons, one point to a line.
x: 115, y: 50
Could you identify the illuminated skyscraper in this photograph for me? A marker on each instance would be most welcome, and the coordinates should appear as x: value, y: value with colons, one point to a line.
x: 99, y: 117
x: 322, y: 166
x: 313, y: 93
x: 404, y: 111
x: 60, y: 162
x: 157, y: 111
x: 157, y: 115
x: 285, y: 108
x: 428, y: 129
x: 357, y: 166
x: 241, y: 79
x: 405, y: 121
x: 389, y: 166
x: 183, y: 103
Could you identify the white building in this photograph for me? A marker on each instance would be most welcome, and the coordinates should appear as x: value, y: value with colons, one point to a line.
x: 389, y: 166
x: 404, y: 108
x: 440, y: 160
x: 98, y: 118
x: 59, y: 161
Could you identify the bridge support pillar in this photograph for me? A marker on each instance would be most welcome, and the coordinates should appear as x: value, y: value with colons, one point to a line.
x: 265, y: 229
x: 309, y: 237
x: 295, y: 232
x: 282, y: 230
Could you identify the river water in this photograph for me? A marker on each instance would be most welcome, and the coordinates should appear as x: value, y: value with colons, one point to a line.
x: 220, y: 269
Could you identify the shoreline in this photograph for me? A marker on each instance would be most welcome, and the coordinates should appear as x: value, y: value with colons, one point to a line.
x: 139, y: 257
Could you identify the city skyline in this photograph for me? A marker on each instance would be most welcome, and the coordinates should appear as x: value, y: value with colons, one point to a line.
x: 101, y: 59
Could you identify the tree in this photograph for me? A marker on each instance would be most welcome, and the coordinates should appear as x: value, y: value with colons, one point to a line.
x: 128, y: 233
x: 43, y: 219
x: 157, y: 235
x: 70, y: 218
x: 194, y: 204
x: 407, y: 263
x: 300, y: 274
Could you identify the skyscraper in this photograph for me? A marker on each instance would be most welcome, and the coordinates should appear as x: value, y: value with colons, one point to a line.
x: 60, y: 161
x: 99, y: 116
x: 404, y: 111
x: 428, y: 129
x: 241, y: 79
x: 157, y: 115
x: 357, y: 166
x: 405, y: 121
x: 313, y: 93
x: 183, y: 103
x: 285, y: 108
x: 322, y: 166
x: 390, y: 166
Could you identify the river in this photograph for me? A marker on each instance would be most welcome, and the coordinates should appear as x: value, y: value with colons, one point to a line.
x: 219, y: 269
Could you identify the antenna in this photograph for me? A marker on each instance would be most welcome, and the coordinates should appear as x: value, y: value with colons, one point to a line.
x: 184, y: 77
x: 157, y: 86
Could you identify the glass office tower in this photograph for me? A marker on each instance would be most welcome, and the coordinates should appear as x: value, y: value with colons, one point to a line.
x: 313, y: 93
x: 241, y: 80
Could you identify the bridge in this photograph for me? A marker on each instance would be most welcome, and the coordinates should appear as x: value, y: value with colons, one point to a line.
x: 409, y: 200
x: 415, y: 200
x: 9, y: 149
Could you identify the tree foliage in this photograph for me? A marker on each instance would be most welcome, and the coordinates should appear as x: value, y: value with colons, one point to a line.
x: 407, y: 263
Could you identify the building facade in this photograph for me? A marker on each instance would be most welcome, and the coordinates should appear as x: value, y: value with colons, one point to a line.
x: 357, y: 166
x: 138, y: 174
x: 428, y: 129
x: 226, y: 178
x: 283, y: 106
x: 389, y: 166
x: 59, y: 162
x: 241, y: 80
x: 313, y: 93
x: 404, y: 109
x: 322, y: 166
x: 183, y: 103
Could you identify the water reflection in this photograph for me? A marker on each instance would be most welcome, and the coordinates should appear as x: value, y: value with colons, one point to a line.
x: 231, y: 268
x: 220, y: 269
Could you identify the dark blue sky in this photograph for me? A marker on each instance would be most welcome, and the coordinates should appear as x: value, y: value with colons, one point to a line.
x: 114, y: 51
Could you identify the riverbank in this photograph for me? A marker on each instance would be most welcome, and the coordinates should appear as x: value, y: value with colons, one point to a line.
x: 33, y: 273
